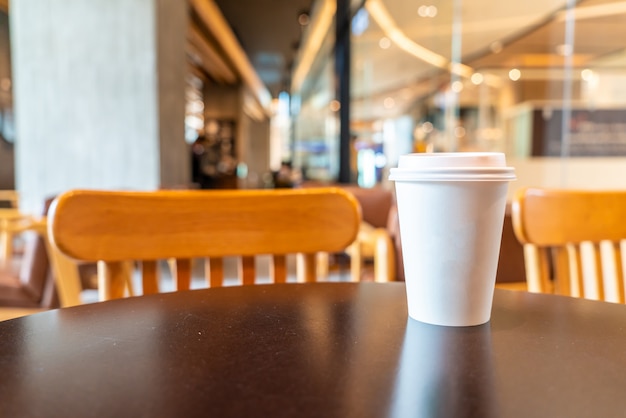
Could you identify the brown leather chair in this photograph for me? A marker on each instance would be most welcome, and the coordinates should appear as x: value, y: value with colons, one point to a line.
x: 29, y: 282
x: 32, y: 286
x: 375, y: 204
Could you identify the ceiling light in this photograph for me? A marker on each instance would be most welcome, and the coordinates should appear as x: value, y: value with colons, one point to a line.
x: 427, y: 11
x: 384, y: 42
x: 477, y: 78
x: 457, y: 86
x: 304, y: 18
x: 586, y: 74
x: 381, y: 16
x: 515, y: 74
x: 389, y: 103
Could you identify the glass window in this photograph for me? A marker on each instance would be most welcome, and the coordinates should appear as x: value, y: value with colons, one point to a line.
x: 539, y: 80
x: 314, y: 107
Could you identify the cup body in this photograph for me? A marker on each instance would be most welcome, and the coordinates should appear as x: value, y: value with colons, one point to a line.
x: 451, y: 211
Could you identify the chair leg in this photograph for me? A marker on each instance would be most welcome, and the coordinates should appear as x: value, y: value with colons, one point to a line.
x: 322, y: 261
x: 66, y: 276
x: 356, y: 261
x: 306, y: 268
x: 112, y: 280
x: 384, y: 257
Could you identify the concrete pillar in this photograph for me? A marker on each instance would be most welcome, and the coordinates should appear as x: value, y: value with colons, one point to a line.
x: 99, y: 90
x: 257, y: 148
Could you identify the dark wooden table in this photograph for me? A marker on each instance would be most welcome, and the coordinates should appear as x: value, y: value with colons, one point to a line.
x: 304, y: 350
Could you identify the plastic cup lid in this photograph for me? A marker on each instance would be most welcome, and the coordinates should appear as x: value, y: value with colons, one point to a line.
x: 456, y: 166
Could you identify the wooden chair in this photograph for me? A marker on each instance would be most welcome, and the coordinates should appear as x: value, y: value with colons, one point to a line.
x: 9, y: 199
x: 373, y: 240
x: 11, y: 222
x: 27, y: 287
x: 373, y: 243
x: 31, y: 284
x: 573, y: 241
x: 113, y: 227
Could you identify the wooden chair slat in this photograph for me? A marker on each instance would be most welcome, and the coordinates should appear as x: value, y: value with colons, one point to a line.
x: 112, y: 279
x: 612, y: 279
x: 183, y: 274
x: 356, y: 265
x: 536, y: 263
x: 247, y: 271
x: 384, y: 260
x: 215, y: 267
x: 149, y: 277
x: 622, y: 266
x: 306, y: 267
x: 591, y: 274
x: 561, y: 264
x: 575, y: 271
x: 322, y: 262
x: 278, y: 268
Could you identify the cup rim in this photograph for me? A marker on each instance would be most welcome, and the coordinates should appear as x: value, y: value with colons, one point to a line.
x: 451, y: 159
x: 453, y: 174
x: 460, y: 169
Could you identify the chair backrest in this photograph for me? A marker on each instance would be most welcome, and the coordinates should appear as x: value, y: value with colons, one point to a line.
x: 113, y: 227
x: 573, y: 241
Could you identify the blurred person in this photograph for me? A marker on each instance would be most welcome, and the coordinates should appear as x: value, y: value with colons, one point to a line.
x: 284, y: 177
x: 200, y: 152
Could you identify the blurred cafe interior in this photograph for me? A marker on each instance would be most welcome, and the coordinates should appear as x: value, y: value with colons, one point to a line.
x: 144, y: 95
x: 114, y: 95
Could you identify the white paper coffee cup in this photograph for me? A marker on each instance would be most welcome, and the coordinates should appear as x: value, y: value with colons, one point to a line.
x: 451, y: 211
